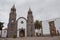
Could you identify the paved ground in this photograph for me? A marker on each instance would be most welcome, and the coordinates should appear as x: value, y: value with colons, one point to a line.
x: 33, y: 38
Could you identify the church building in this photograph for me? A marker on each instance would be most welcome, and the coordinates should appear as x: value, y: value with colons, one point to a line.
x: 21, y: 27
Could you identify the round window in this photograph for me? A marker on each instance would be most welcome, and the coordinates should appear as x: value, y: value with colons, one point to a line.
x: 22, y: 22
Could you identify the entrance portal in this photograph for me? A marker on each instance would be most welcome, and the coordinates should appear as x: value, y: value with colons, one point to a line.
x: 22, y: 33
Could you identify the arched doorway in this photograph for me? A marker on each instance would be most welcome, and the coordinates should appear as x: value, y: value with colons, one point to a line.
x: 21, y: 27
x: 22, y: 33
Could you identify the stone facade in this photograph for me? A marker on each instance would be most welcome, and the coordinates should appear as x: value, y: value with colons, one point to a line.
x: 12, y: 27
x: 30, y: 24
x: 13, y: 23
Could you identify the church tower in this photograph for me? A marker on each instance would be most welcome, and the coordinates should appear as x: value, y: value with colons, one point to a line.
x: 30, y: 24
x: 12, y: 27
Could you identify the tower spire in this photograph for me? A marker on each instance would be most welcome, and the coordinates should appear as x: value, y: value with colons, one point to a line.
x: 30, y: 24
x: 12, y: 26
x: 29, y: 10
x: 13, y: 7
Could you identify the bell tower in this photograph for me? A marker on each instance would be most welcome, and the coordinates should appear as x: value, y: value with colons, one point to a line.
x: 30, y: 24
x: 12, y: 26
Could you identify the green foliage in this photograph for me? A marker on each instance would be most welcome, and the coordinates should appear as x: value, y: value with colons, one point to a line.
x: 37, y: 24
x: 14, y: 36
x: 1, y: 25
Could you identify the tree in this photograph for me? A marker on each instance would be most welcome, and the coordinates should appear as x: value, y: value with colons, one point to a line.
x: 1, y: 26
x: 37, y: 24
x: 41, y: 24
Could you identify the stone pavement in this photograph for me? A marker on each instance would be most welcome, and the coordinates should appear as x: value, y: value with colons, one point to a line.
x: 33, y: 38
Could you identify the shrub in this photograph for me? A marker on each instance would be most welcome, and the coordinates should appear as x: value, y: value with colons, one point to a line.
x: 14, y: 36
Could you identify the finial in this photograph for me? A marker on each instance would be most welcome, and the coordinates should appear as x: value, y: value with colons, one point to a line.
x: 29, y: 10
x: 13, y: 5
x: 13, y: 8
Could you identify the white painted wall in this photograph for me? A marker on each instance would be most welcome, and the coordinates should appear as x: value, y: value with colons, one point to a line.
x: 45, y: 27
x: 57, y: 24
x: 20, y: 26
x: 38, y: 31
x: 17, y: 33
x: 4, y: 33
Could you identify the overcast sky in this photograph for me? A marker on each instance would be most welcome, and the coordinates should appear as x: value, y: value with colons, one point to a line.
x: 42, y: 9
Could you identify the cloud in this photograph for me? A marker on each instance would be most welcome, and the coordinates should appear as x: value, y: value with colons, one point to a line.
x: 42, y: 9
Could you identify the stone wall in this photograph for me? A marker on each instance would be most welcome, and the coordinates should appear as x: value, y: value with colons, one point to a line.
x: 33, y: 38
